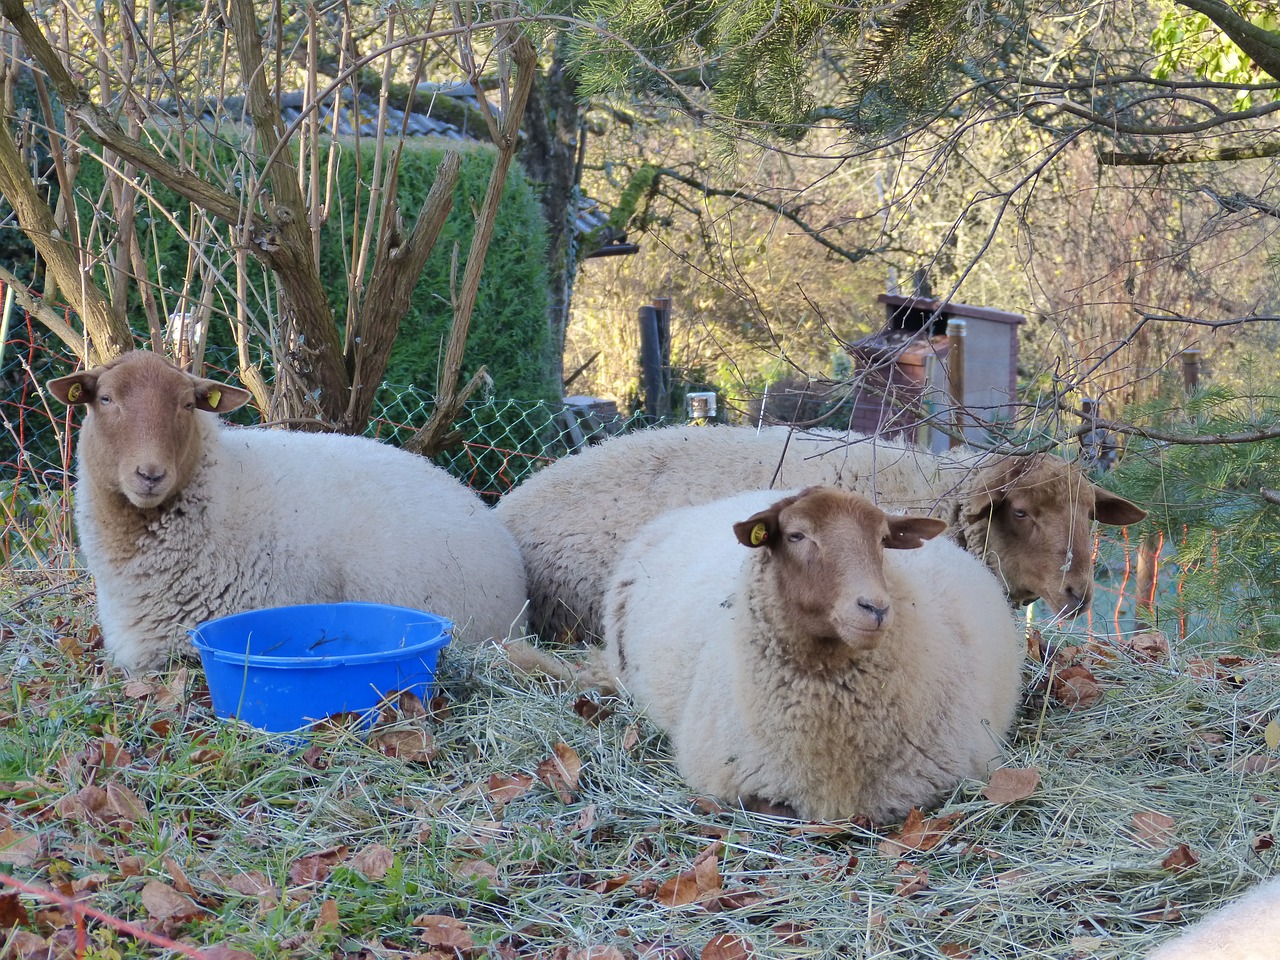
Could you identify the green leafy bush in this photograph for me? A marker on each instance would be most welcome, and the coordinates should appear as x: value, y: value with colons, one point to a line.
x: 1209, y: 502
x: 508, y: 334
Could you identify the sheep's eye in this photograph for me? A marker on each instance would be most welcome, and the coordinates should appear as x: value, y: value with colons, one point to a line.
x: 795, y: 536
x: 1020, y: 514
x: 103, y: 399
x: 189, y: 405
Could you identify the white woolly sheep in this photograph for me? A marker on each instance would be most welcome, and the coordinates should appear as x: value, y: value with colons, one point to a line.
x: 813, y: 652
x: 182, y: 518
x: 1247, y: 929
x: 1029, y: 518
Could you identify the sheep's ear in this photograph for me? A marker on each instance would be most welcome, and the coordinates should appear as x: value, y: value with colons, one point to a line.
x: 79, y: 388
x: 992, y: 485
x: 219, y: 397
x: 907, y: 533
x: 1114, y: 510
x: 758, y: 531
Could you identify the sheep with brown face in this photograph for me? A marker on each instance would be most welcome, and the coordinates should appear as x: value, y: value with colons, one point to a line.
x: 811, y: 651
x: 1030, y: 519
x: 182, y: 518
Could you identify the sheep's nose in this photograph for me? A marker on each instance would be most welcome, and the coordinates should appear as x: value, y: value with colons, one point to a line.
x: 868, y: 606
x: 1078, y: 600
x: 150, y: 475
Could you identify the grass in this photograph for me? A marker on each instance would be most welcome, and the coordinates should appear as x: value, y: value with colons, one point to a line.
x: 336, y: 851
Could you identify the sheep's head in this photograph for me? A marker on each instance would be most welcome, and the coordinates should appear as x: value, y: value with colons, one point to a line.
x: 825, y: 550
x: 1031, y: 520
x: 140, y: 436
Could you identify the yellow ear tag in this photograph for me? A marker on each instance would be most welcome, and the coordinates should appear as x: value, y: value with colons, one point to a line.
x: 759, y: 534
x: 213, y: 397
x: 73, y: 392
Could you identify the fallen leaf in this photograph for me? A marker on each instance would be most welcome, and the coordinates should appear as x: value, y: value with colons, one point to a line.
x: 1153, y: 829
x: 1150, y: 645
x: 412, y: 746
x: 918, y: 833
x: 609, y: 884
x: 315, y: 867
x: 328, y: 918
x: 221, y: 952
x: 180, y: 881
x: 477, y: 870
x: 254, y: 884
x: 597, y: 953
x: 20, y: 850
x: 592, y: 711
x: 790, y: 933
x: 728, y: 946
x: 12, y: 912
x: 442, y: 931
x: 630, y: 738
x: 560, y: 771
x: 125, y: 804
x: 955, y: 950
x: 1076, y: 688
x: 373, y: 861
x: 24, y: 944
x: 1180, y: 858
x: 1012, y: 783
x: 1169, y: 913
x: 914, y: 883
x: 165, y: 903
x: 1255, y: 764
x: 502, y: 790
x: 1272, y: 734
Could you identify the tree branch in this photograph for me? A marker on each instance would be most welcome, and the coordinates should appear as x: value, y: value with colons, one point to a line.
x: 1188, y: 153
x: 1262, y: 45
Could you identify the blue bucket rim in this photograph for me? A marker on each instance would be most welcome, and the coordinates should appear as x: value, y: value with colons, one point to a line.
x: 223, y: 655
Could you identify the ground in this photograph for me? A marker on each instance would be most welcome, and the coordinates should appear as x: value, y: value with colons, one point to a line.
x: 510, y: 819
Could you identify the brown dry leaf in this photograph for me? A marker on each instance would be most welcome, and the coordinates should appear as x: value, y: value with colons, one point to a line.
x: 328, y: 918
x: 678, y: 890
x: 131, y: 866
x: 1169, y: 913
x: 728, y: 946
x: 315, y: 867
x: 791, y: 933
x: 609, y: 884
x: 502, y: 790
x: 586, y: 819
x: 560, y: 771
x: 1075, y: 687
x: 180, y: 881
x: 1150, y: 645
x: 918, y: 833
x: 1180, y: 858
x: 1012, y: 783
x: 442, y: 931
x: 125, y: 804
x: 12, y: 912
x: 592, y: 711
x: 24, y: 944
x: 914, y: 883
x: 19, y: 849
x: 411, y: 746
x: 477, y: 870
x: 820, y: 830
x: 223, y: 952
x: 1153, y: 829
x: 255, y: 884
x: 165, y: 903
x: 630, y: 738
x: 597, y: 953
x: 373, y: 861
x: 1255, y: 764
x: 955, y: 950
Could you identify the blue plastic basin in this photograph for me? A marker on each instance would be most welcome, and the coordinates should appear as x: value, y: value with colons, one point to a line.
x: 284, y: 668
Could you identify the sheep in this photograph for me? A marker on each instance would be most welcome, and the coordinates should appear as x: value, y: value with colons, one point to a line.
x: 809, y: 653
x: 182, y: 518
x: 1027, y: 517
x: 1247, y: 929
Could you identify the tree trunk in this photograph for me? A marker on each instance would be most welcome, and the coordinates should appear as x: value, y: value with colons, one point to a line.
x: 550, y: 159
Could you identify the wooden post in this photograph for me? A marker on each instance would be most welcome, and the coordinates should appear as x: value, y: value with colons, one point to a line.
x: 955, y: 374
x: 1191, y: 369
x: 651, y: 363
x: 662, y: 306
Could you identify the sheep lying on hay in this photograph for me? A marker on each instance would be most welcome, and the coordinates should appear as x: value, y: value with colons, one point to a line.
x: 1248, y: 929
x: 810, y: 651
x: 183, y: 518
x: 1028, y: 518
